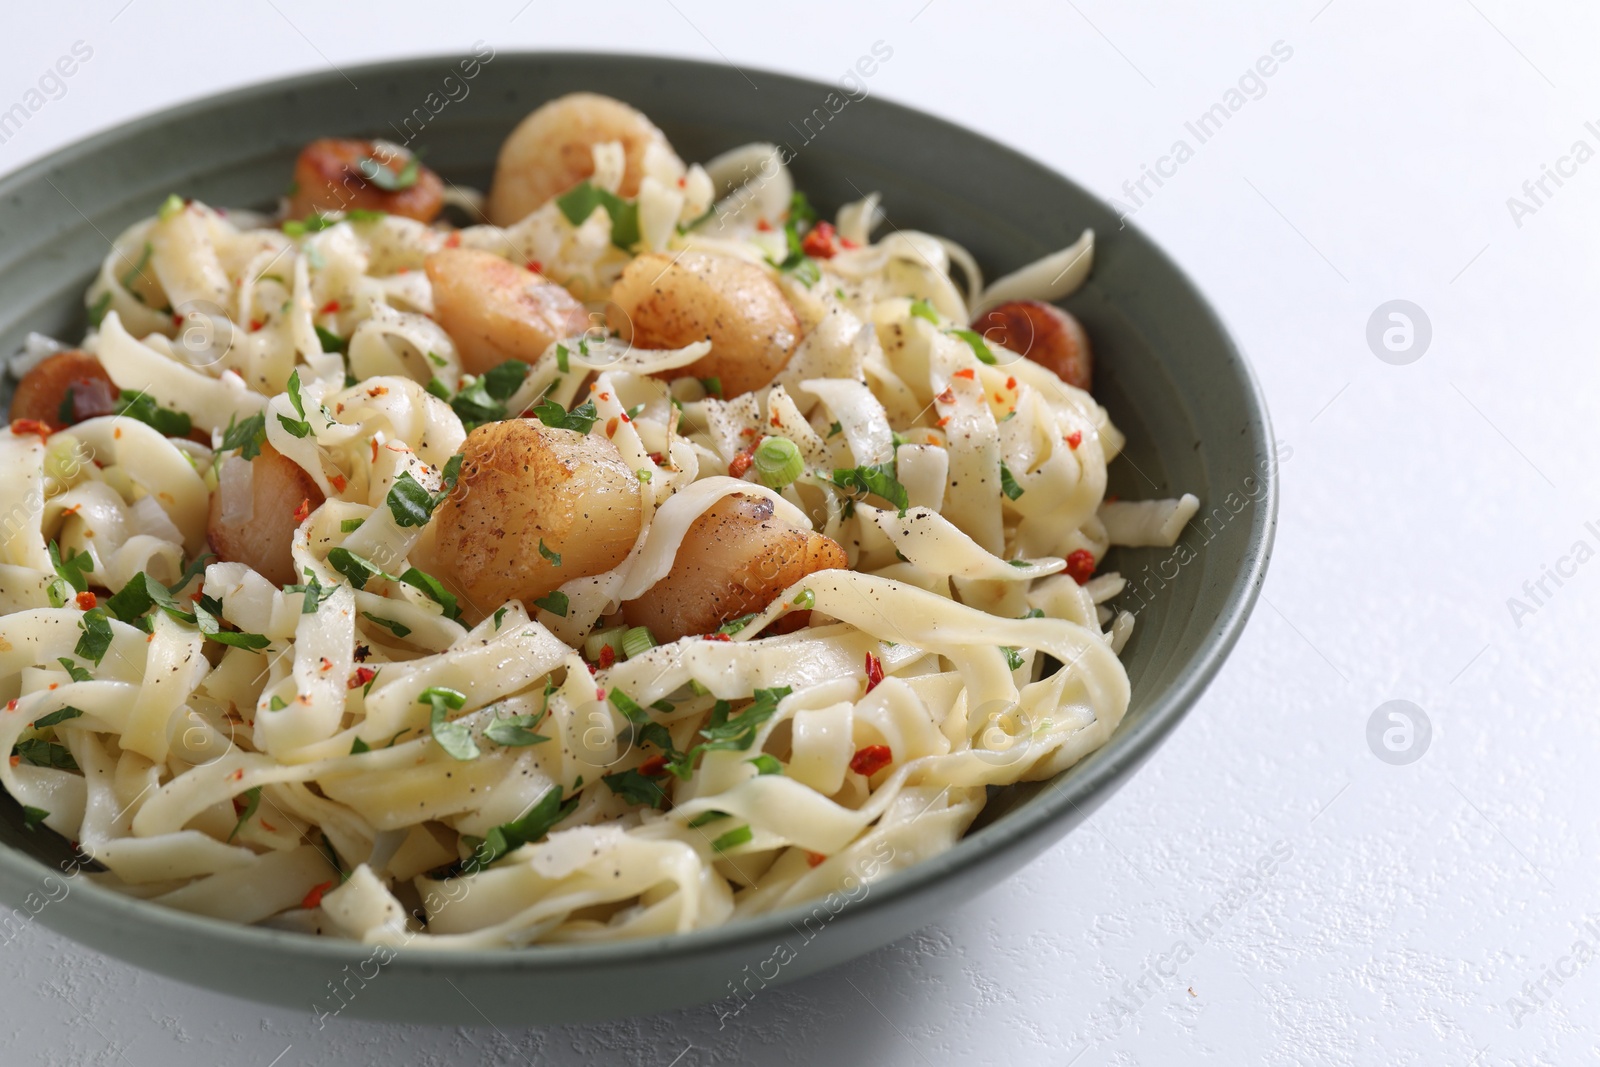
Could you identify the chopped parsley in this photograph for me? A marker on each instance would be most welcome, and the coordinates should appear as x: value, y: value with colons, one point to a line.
x: 454, y: 737
x: 77, y: 673
x: 387, y: 178
x: 32, y: 817
x: 538, y: 820
x: 979, y: 346
x: 556, y: 603
x: 399, y: 629
x: 766, y: 763
x: 555, y: 416
x: 141, y: 406
x: 98, y: 309
x: 579, y: 202
x: 1008, y: 484
x: 252, y: 802
x: 96, y: 636
x: 739, y: 835
x: 553, y: 557
x: 297, y: 427
x: 247, y: 436
x: 514, y: 731
x: 636, y: 788
x: 330, y: 341
x: 358, y: 569
x: 206, y: 612
x: 484, y: 399
x: 411, y: 504
x: 39, y: 753
x: 59, y: 715
x: 1013, y: 656
x: 432, y: 588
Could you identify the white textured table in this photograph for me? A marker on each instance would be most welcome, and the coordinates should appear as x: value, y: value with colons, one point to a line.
x: 1268, y: 890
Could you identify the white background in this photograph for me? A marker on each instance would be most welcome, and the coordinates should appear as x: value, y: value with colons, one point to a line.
x: 1415, y: 901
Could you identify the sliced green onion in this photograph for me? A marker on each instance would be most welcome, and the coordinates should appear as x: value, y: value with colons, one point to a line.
x: 778, y: 462
x: 805, y: 599
x: 637, y: 641
x: 611, y: 635
x: 169, y: 207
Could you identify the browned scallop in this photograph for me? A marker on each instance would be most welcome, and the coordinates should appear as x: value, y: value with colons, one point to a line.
x: 63, y: 389
x: 494, y: 310
x: 526, y: 487
x: 552, y: 150
x: 735, y: 559
x: 666, y: 301
x: 262, y: 535
x: 1043, y: 333
x: 332, y: 174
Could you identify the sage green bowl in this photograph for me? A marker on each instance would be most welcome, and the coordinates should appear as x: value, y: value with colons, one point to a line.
x: 1166, y: 369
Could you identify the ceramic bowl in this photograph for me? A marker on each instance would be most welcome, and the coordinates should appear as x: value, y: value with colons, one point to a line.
x: 1166, y: 369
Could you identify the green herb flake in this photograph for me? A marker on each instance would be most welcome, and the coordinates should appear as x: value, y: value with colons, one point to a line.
x: 706, y: 817
x: 58, y: 716
x: 766, y: 764
x: 740, y: 835
x: 578, y: 203
x: 1008, y: 484
x: 399, y: 629
x: 921, y: 309
x: 454, y: 737
x: 636, y: 788
x: 556, y: 603
x: 1013, y: 656
x: 246, y: 437
x: 878, y: 479
x: 252, y: 802
x: 553, y: 557
x: 96, y: 636
x: 543, y: 815
x: 350, y: 525
x: 77, y: 673
x: 979, y: 346
x: 579, y: 419
x: 296, y: 427
x: 514, y: 731
x: 358, y: 746
x: 33, y: 817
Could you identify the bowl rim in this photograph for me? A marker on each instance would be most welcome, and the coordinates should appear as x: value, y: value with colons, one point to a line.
x: 1014, y: 830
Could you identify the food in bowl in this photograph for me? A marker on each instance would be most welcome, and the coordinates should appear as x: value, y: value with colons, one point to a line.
x: 649, y: 553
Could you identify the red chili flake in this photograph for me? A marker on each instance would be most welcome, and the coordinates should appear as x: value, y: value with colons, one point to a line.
x: 453, y: 241
x: 86, y: 601
x: 815, y: 859
x: 256, y: 324
x: 338, y: 482
x: 818, y: 242
x: 748, y: 432
x: 15, y: 760
x: 330, y: 308
x: 27, y: 426
x: 605, y: 396
x: 267, y: 826
x: 327, y: 664
x: 237, y: 775
x: 682, y: 182
x: 535, y: 266
x: 653, y: 766
x: 763, y: 225
x: 599, y: 694
x: 361, y: 677
x: 999, y: 398
x: 624, y: 417
x: 55, y: 685
x: 658, y: 459
x: 947, y: 397
x: 608, y: 657
x: 313, y: 899
x: 1074, y: 439
x: 1112, y: 498
x: 374, y: 450
x: 602, y: 695
x: 611, y: 426
x: 301, y: 512
x: 942, y: 423
x: 871, y: 759
x: 1080, y: 565
x: 874, y: 671
x: 177, y: 320
x: 742, y: 462
x: 845, y: 242
x: 1011, y: 383
x: 776, y: 421
x: 967, y: 373
x: 377, y: 390
x: 717, y: 637
x: 403, y: 270
x: 11, y: 705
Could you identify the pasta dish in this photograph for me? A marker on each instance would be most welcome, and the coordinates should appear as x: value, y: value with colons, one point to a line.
x: 618, y: 553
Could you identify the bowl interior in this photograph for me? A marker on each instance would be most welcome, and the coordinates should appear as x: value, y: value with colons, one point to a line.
x: 1165, y: 368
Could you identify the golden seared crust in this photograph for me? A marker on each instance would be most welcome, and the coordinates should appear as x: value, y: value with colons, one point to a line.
x: 43, y: 390
x: 663, y: 301
x: 1043, y: 333
x: 734, y: 560
x: 552, y: 150
x: 279, y: 489
x: 494, y: 310
x: 327, y: 177
x: 522, y: 484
